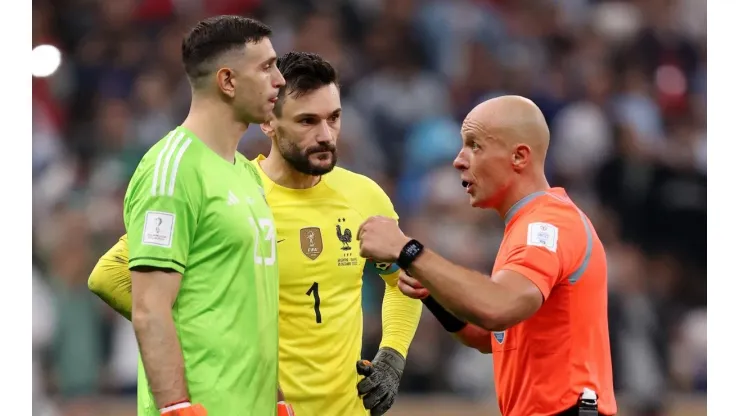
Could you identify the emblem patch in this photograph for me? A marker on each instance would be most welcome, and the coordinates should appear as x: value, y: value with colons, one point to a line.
x: 344, y: 236
x: 311, y: 243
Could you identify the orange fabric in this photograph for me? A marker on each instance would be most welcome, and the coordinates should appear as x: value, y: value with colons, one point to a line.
x: 194, y: 410
x: 543, y: 364
x: 285, y: 409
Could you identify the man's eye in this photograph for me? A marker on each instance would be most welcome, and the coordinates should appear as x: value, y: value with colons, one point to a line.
x: 474, y: 146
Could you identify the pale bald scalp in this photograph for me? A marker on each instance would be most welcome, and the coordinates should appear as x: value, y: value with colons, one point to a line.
x: 513, y: 120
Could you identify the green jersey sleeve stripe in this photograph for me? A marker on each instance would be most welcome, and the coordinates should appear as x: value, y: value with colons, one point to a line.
x: 159, y: 161
x: 173, y: 176
x: 155, y: 259
x: 167, y: 160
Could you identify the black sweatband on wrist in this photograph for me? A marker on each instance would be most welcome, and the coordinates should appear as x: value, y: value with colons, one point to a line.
x: 449, y: 321
x: 409, y: 253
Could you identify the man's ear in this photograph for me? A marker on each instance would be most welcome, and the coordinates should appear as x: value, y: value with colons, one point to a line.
x: 521, y: 156
x: 226, y: 82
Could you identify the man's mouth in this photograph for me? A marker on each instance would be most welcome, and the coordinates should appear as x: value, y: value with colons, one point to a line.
x: 468, y: 186
x: 324, y: 150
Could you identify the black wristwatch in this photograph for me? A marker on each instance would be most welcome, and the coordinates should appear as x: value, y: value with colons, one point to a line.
x: 409, y: 253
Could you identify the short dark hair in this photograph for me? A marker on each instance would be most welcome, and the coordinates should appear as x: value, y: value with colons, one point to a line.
x: 303, y: 72
x: 214, y: 36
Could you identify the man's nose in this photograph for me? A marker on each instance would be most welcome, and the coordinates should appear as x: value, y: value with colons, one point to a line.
x: 279, y: 80
x: 324, y: 133
x: 460, y: 162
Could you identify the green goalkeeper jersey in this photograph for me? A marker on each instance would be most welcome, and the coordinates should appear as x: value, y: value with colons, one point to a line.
x: 189, y: 210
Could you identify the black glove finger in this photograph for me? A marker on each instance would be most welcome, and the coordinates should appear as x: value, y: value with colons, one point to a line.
x: 366, y: 385
x: 386, y: 400
x: 365, y: 368
x: 384, y: 405
x: 371, y: 400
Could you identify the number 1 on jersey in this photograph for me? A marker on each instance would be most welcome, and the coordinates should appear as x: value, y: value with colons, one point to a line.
x: 314, y: 289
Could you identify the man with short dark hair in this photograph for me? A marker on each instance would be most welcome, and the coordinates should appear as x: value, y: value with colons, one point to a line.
x: 204, y: 282
x: 317, y: 208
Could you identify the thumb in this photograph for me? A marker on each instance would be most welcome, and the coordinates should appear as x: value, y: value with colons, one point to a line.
x: 365, y: 368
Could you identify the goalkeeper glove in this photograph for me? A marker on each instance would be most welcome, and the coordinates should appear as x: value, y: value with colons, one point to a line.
x: 285, y: 409
x: 183, y: 409
x: 382, y: 377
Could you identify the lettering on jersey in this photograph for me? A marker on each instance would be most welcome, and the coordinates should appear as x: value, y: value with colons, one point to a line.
x: 158, y: 228
x: 499, y: 336
x: 542, y: 234
x: 345, y: 237
x: 311, y: 243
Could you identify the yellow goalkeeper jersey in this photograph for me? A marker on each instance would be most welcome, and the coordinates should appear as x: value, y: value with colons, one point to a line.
x: 320, y: 322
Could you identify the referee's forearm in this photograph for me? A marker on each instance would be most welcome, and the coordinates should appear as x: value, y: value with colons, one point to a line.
x: 467, y: 294
x: 476, y: 337
x: 161, y: 354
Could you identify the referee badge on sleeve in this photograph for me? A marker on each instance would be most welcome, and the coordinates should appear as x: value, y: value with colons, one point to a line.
x: 542, y: 234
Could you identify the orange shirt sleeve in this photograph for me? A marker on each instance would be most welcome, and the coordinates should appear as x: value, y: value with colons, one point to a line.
x: 532, y: 251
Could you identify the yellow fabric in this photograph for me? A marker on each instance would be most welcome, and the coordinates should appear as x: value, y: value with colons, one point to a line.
x: 401, y: 316
x: 321, y: 272
x: 111, y: 279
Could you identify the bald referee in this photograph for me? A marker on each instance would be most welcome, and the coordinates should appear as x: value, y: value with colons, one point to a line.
x: 543, y: 311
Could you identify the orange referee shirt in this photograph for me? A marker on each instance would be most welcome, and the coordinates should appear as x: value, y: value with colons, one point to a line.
x: 543, y: 364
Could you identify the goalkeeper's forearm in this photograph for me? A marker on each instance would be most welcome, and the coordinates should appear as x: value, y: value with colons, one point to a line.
x: 161, y: 355
x: 400, y: 316
x: 157, y: 337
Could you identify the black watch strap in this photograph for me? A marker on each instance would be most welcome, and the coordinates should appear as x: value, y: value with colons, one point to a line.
x: 409, y: 253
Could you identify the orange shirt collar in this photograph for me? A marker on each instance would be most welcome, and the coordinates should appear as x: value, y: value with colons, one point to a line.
x: 516, y: 208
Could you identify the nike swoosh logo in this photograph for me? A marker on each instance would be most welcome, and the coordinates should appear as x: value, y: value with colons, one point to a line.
x: 280, y: 241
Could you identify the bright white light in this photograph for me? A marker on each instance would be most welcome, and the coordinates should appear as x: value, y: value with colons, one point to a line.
x: 45, y: 60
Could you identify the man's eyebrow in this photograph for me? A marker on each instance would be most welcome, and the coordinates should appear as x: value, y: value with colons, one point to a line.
x: 308, y: 115
x: 305, y: 115
x: 270, y: 60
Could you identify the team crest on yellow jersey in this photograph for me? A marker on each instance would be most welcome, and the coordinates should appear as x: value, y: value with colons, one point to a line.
x: 344, y: 235
x: 311, y: 243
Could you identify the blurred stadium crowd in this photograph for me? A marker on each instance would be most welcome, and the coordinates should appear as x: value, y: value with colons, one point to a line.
x: 622, y: 85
